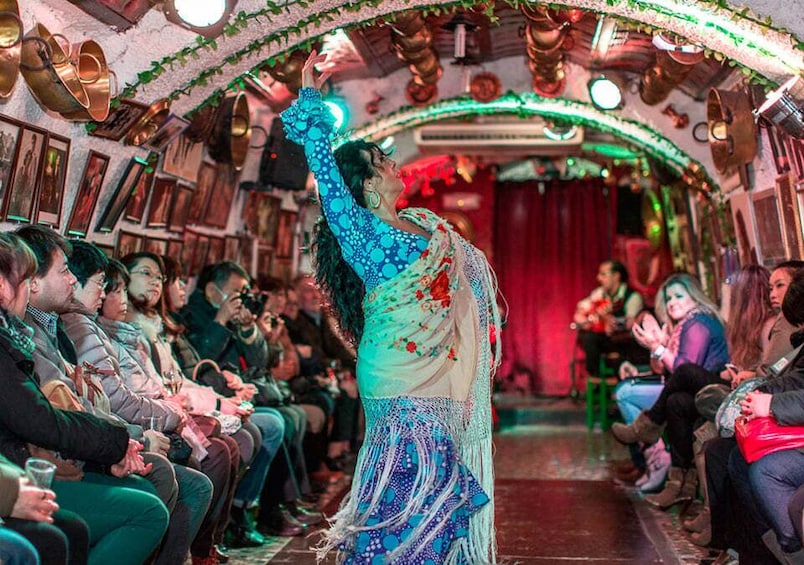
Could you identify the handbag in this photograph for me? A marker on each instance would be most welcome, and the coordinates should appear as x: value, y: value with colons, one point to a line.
x: 269, y: 393
x: 729, y: 409
x: 759, y: 437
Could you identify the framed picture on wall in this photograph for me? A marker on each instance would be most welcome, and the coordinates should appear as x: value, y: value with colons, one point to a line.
x: 161, y: 197
x: 203, y: 188
x: 135, y: 209
x: 284, y: 234
x: 188, y: 250
x: 791, y: 218
x: 108, y: 250
x: 9, y: 136
x: 125, y: 188
x: 87, y: 196
x: 174, y: 248
x: 180, y: 208
x: 156, y: 245
x: 172, y: 127
x: 215, y: 252
x: 28, y: 165
x: 220, y: 203
x: 120, y: 120
x: 769, y: 230
x: 261, y: 216
x: 282, y: 269
x: 182, y: 158
x: 264, y: 256
x: 231, y: 250
x: 128, y: 243
x: 200, y: 254
x: 54, y: 176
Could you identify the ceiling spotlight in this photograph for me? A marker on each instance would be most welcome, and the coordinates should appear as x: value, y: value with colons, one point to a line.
x: 204, y: 17
x: 340, y: 111
x: 783, y: 108
x: 605, y: 93
x: 559, y: 132
x: 664, y: 43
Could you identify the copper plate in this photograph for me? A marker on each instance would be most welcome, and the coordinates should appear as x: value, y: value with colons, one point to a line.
x: 149, y: 123
x: 10, y: 37
x: 485, y: 87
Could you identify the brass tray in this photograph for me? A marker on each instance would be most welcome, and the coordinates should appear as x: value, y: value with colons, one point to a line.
x: 149, y: 123
x: 11, y: 33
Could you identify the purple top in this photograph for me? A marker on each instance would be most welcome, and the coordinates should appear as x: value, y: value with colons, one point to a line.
x: 703, y: 342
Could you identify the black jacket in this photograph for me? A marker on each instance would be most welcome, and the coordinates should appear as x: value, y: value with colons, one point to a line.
x: 27, y: 417
x: 787, y: 389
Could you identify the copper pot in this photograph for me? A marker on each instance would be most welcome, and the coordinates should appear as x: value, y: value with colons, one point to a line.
x: 49, y: 72
x: 231, y: 134
x: 94, y: 74
x: 732, y: 131
x: 11, y: 33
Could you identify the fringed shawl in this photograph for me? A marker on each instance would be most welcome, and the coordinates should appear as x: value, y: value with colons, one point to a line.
x: 425, y: 363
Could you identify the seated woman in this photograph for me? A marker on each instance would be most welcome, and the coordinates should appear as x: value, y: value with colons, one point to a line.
x: 133, y: 350
x: 30, y: 512
x: 693, y: 338
x: 129, y: 533
x: 93, y: 346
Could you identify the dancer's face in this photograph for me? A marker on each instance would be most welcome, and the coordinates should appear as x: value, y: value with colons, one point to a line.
x: 387, y: 181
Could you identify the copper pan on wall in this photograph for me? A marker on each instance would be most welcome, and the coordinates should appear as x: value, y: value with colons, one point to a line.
x: 11, y: 34
x: 732, y: 131
x: 51, y: 76
x: 231, y: 133
x: 94, y: 74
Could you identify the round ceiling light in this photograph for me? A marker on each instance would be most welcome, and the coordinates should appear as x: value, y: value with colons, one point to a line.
x: 205, y: 17
x: 605, y: 93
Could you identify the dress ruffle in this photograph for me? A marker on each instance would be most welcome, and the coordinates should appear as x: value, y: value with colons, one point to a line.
x: 412, y: 495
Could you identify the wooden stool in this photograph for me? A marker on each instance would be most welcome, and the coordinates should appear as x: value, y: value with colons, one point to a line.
x: 599, y: 389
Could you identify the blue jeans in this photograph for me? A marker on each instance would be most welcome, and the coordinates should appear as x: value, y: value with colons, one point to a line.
x: 272, y: 427
x: 634, y: 396
x: 16, y: 550
x: 774, y: 479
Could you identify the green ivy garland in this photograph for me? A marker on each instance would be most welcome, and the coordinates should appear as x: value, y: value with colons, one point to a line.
x: 243, y: 19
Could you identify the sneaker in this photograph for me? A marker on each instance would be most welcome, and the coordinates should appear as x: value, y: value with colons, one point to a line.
x: 658, y: 467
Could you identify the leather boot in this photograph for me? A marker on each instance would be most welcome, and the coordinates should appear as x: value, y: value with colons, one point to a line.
x: 643, y: 429
x: 699, y: 523
x: 674, y: 491
x: 704, y: 537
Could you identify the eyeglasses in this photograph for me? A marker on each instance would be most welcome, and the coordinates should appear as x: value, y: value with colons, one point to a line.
x: 99, y: 283
x: 150, y: 275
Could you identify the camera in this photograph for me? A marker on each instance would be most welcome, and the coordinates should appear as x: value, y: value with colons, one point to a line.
x: 254, y: 303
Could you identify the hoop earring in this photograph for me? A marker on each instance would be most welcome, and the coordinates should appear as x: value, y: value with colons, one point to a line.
x: 373, y: 199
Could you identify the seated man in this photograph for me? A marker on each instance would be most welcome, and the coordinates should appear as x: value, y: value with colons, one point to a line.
x: 605, y: 317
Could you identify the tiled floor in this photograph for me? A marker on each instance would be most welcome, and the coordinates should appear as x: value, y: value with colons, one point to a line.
x: 544, y: 467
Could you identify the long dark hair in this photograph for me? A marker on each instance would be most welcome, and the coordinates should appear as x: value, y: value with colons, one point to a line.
x: 335, y: 277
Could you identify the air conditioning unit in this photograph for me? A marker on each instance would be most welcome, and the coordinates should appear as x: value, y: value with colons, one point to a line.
x: 498, y: 134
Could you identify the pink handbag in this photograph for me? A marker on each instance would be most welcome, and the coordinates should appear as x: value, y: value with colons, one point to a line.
x: 758, y: 437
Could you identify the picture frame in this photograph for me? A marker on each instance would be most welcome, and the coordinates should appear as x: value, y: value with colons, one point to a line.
x: 261, y: 216
x: 744, y: 228
x: 182, y: 158
x: 109, y: 250
x: 284, y: 234
x: 120, y: 120
x: 20, y: 205
x: 200, y: 254
x: 173, y: 126
x: 135, y: 209
x: 247, y: 253
x: 52, y: 183
x: 231, y: 249
x: 264, y: 258
x: 155, y: 245
x: 10, y: 130
x: 161, y: 198
x: 188, y: 250
x: 203, y: 188
x: 180, y: 208
x: 87, y: 196
x: 122, y: 194
x: 127, y: 242
x: 787, y: 198
x: 216, y: 249
x: 217, y: 215
x: 282, y: 269
x: 769, y: 227
x: 175, y: 247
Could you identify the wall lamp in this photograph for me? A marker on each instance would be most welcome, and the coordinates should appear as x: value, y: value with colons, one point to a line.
x: 204, y: 17
x: 605, y: 93
x: 783, y: 107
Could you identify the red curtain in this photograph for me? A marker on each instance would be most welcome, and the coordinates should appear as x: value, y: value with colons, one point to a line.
x: 547, y: 248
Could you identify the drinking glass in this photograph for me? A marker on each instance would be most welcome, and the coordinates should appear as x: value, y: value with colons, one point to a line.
x: 156, y: 423
x: 40, y: 472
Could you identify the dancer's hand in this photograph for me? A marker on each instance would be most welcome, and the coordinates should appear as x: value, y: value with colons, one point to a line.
x: 309, y: 80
